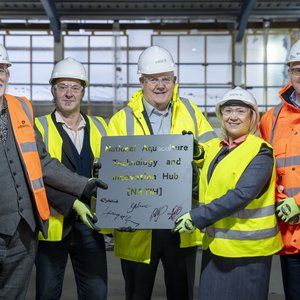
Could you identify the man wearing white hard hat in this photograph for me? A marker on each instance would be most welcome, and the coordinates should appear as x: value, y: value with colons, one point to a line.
x: 236, y: 206
x: 281, y: 127
x: 74, y: 138
x: 25, y: 166
x: 155, y: 109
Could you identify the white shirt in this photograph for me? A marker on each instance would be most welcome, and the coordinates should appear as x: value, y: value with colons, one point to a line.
x: 77, y: 135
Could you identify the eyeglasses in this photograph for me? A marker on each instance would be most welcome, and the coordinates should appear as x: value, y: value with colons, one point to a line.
x: 63, y: 88
x: 240, y: 112
x: 3, y: 71
x: 295, y: 71
x: 155, y: 81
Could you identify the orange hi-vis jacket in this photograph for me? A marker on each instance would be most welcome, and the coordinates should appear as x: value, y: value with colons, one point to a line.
x: 21, y: 115
x: 280, y: 126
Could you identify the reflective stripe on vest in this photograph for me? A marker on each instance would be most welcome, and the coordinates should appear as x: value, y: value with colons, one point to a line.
x: 21, y: 115
x: 242, y: 235
x: 276, y: 115
x: 254, y: 213
x: 129, y: 120
x: 291, y: 192
x: 288, y: 161
x: 99, y: 125
x: 44, y: 123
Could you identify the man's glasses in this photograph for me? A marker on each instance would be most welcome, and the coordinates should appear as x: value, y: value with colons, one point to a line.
x: 63, y: 88
x: 155, y: 81
x: 295, y: 71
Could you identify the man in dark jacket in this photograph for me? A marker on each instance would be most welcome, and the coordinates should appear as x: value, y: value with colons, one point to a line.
x: 25, y: 166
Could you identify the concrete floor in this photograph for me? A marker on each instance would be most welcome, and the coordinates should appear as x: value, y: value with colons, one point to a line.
x: 116, y: 284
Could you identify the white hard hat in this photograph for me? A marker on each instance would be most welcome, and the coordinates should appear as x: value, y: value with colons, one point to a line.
x: 235, y: 96
x: 4, y: 56
x: 69, y: 68
x: 155, y: 60
x: 294, y: 54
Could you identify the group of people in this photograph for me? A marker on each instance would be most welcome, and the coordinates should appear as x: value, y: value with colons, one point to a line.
x: 246, y: 204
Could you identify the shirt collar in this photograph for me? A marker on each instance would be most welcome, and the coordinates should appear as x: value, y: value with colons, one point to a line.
x: 235, y: 142
x: 151, y: 109
x: 293, y: 99
x: 59, y: 119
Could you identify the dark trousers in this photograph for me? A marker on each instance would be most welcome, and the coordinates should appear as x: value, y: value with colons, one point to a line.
x: 178, y: 264
x: 87, y: 253
x: 17, y: 255
x: 290, y: 267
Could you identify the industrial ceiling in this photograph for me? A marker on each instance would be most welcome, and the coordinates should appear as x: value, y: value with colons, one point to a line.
x: 198, y: 14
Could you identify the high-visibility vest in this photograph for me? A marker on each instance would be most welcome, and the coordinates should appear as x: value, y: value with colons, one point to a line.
x: 252, y: 231
x: 21, y: 115
x: 280, y: 126
x: 54, y: 143
x: 136, y: 246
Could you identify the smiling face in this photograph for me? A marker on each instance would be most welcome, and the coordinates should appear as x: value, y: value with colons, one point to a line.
x: 158, y: 89
x: 236, y: 120
x: 68, y: 94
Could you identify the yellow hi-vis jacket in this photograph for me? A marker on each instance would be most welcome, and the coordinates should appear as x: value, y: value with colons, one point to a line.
x: 136, y: 246
x: 54, y: 143
x: 252, y: 231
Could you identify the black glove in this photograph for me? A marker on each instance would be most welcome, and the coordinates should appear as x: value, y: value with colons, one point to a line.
x: 92, y: 221
x: 198, y: 151
x: 195, y: 184
x: 96, y: 167
x: 90, y: 189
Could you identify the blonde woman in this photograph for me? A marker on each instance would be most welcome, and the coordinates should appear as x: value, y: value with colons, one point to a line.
x: 237, y: 214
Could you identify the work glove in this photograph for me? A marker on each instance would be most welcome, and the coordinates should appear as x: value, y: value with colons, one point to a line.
x: 295, y: 220
x: 90, y: 189
x: 195, y: 184
x: 198, y: 151
x: 184, y: 224
x: 96, y: 167
x: 288, y: 210
x: 85, y: 215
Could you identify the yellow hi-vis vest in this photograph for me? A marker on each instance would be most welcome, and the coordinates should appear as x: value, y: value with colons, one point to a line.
x: 136, y: 246
x: 252, y: 231
x: 53, y: 143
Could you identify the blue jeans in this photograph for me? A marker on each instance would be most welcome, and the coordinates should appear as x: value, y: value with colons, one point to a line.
x: 290, y: 268
x: 86, y: 249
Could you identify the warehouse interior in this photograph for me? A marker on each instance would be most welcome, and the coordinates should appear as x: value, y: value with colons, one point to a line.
x: 217, y: 45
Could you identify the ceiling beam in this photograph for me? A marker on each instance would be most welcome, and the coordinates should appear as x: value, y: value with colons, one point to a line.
x: 245, y: 14
x: 153, y: 26
x: 51, y: 12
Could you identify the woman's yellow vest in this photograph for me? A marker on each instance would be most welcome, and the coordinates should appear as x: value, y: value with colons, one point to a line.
x: 53, y: 143
x: 252, y: 231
